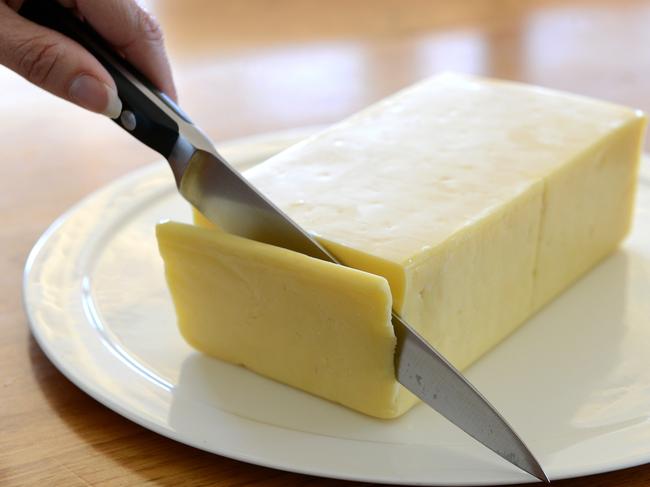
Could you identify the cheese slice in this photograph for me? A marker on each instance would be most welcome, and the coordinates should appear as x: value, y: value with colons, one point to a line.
x: 477, y: 200
x: 315, y: 325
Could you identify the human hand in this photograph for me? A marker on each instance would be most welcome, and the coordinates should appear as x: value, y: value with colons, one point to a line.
x: 61, y: 66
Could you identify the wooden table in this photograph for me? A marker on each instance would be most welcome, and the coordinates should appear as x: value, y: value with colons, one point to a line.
x: 246, y: 67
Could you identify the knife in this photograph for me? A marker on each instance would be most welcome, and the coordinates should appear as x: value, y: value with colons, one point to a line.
x: 216, y: 189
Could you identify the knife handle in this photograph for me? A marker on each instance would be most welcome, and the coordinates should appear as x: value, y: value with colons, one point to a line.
x: 147, y: 113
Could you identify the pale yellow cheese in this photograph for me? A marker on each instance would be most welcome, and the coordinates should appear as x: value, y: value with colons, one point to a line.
x: 314, y: 325
x: 477, y: 200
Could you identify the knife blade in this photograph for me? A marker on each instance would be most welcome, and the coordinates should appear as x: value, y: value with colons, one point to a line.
x: 214, y: 187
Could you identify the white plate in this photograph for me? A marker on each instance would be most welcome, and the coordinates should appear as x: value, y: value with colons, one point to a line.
x: 574, y: 381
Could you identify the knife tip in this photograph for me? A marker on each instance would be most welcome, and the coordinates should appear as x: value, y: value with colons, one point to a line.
x: 533, y: 467
x: 540, y: 475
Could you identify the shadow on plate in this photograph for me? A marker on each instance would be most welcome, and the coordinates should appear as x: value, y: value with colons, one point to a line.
x: 133, y: 455
x: 569, y: 378
x: 582, y: 339
x: 581, y: 364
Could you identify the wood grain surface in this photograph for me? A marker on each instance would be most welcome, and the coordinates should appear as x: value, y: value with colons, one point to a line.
x: 245, y: 67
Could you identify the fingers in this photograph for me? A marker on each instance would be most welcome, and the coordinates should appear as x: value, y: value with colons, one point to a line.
x: 63, y: 67
x: 56, y: 63
x: 134, y: 33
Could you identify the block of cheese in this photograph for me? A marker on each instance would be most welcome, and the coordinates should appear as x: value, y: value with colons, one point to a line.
x: 477, y: 200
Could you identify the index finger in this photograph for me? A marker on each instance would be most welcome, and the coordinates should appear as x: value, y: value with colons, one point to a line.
x: 133, y: 32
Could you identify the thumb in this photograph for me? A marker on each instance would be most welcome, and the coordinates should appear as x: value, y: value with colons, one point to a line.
x: 56, y: 63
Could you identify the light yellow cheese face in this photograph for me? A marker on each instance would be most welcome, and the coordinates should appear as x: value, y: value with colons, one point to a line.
x: 314, y: 325
x: 478, y: 201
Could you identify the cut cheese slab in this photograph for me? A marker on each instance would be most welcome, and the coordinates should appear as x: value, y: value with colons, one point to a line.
x: 318, y: 326
x: 477, y: 200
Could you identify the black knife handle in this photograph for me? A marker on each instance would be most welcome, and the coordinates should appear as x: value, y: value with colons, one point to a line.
x: 147, y: 114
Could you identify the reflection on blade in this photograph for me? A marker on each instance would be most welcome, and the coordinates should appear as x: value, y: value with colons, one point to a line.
x: 227, y: 199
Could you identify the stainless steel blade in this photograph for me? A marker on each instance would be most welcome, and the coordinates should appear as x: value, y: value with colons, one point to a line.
x: 227, y: 199
x: 428, y: 375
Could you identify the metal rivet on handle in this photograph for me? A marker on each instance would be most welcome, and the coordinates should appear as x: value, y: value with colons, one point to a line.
x: 127, y: 118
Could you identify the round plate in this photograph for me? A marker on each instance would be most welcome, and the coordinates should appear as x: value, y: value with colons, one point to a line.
x: 574, y: 381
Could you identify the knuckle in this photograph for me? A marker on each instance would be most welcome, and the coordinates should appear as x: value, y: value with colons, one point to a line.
x: 37, y: 58
x: 149, y: 27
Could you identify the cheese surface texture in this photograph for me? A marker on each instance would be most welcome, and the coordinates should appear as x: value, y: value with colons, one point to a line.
x: 318, y: 326
x: 478, y: 201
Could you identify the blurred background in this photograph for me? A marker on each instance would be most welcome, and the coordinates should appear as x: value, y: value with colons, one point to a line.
x: 250, y: 66
x: 285, y: 63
